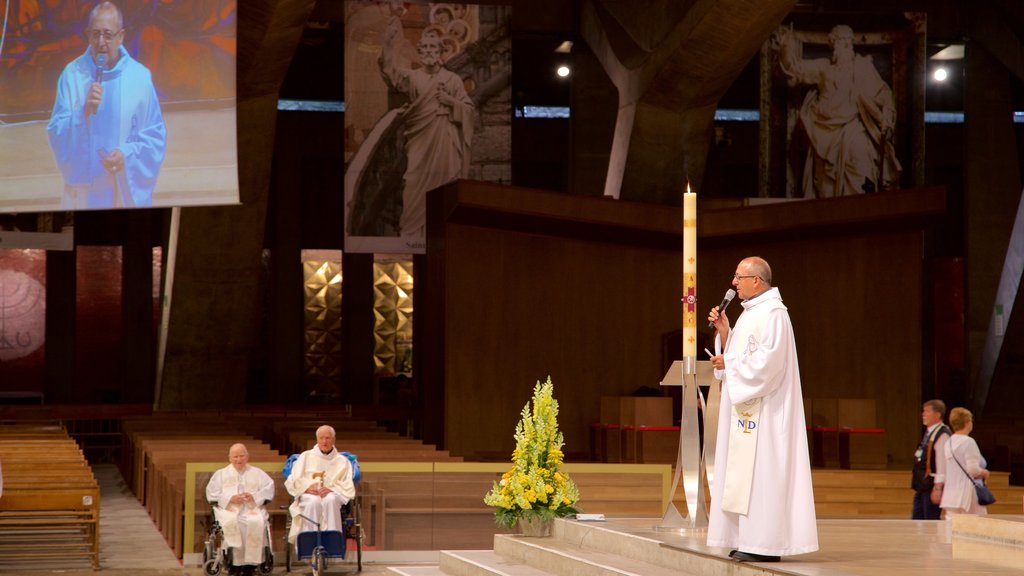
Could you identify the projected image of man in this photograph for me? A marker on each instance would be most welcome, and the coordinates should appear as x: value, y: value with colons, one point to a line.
x: 107, y: 131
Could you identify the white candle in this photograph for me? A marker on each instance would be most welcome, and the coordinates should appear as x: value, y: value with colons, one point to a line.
x: 689, y: 273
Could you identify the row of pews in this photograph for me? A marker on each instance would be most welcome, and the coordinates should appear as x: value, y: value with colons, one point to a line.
x: 158, y: 447
x: 50, y: 506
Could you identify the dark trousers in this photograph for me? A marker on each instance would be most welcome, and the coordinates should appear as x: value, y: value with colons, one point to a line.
x: 923, y: 507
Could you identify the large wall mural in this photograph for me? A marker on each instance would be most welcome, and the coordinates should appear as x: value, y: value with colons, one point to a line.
x: 427, y: 101
x: 842, y: 105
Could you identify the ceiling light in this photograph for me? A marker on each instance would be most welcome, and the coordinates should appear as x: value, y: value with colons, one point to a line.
x: 565, y: 47
x: 940, y: 74
x: 562, y: 71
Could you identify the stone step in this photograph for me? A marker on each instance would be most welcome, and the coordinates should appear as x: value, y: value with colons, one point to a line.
x: 485, y: 563
x: 1006, y: 530
x: 590, y: 548
x: 558, y: 556
x: 993, y: 540
x: 429, y: 570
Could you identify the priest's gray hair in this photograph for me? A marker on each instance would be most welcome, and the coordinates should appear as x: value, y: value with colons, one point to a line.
x: 103, y: 7
x: 327, y: 428
x: 760, y: 268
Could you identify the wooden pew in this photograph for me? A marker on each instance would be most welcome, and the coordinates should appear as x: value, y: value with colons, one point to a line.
x: 51, y: 501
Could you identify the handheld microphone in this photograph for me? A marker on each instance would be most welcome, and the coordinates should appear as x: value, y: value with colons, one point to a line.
x: 729, y: 295
x: 101, y: 63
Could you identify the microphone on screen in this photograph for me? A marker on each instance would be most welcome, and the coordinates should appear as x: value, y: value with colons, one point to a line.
x: 101, y: 63
x: 729, y: 295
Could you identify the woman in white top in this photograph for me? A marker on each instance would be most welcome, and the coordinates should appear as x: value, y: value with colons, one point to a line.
x: 958, y: 495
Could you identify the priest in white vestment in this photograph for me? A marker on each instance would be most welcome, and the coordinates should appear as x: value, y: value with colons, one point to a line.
x: 762, y: 503
x: 321, y: 481
x: 241, y: 492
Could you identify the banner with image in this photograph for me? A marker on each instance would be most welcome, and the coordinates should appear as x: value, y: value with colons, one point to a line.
x: 427, y: 102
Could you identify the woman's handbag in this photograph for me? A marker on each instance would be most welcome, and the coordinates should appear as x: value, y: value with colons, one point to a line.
x: 985, y: 496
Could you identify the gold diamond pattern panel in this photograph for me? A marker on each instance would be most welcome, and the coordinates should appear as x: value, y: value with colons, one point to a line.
x: 322, y: 323
x: 392, y: 308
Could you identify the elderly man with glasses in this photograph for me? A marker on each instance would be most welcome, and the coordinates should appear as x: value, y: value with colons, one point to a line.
x: 107, y: 131
x: 763, y: 505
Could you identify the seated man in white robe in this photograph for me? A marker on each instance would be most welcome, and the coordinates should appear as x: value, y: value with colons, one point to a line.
x: 241, y: 493
x: 321, y: 481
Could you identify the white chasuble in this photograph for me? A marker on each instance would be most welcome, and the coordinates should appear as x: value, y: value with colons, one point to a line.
x: 314, y: 468
x: 763, y: 497
x: 244, y: 526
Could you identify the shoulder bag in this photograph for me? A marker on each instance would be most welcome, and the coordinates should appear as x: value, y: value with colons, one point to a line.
x: 985, y: 496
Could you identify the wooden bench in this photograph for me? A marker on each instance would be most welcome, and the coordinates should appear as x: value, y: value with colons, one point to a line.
x: 50, y: 506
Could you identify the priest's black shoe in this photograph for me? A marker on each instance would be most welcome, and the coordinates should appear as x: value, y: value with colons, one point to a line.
x: 751, y: 557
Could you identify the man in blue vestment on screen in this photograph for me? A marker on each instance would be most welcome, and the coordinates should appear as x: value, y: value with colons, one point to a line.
x: 107, y: 131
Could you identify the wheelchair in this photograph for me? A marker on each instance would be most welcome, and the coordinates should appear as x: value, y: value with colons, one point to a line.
x: 318, y: 546
x: 217, y: 554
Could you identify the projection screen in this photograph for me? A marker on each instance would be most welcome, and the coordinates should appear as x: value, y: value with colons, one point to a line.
x: 126, y: 104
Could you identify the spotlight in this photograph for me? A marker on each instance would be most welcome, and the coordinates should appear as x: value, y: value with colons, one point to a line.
x: 562, y: 71
x: 940, y: 74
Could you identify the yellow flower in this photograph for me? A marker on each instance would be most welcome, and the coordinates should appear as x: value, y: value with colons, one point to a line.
x: 534, y: 476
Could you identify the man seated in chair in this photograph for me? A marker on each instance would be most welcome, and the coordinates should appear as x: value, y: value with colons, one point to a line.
x: 321, y: 481
x: 241, y: 492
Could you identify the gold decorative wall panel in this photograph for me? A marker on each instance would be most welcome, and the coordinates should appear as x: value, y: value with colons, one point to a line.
x: 392, y: 308
x: 322, y: 326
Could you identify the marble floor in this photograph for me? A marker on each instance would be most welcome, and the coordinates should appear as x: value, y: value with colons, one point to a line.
x: 876, y: 548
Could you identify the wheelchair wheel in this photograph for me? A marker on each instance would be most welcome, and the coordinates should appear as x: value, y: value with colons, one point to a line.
x: 319, y: 561
x: 267, y: 566
x: 210, y: 564
x: 211, y: 567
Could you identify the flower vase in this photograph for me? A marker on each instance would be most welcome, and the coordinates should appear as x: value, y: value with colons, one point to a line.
x: 535, y: 527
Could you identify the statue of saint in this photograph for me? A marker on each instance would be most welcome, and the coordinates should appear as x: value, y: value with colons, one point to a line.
x: 848, y: 117
x: 438, y: 124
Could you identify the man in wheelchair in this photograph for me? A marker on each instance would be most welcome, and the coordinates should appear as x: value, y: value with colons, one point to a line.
x: 240, y: 493
x: 321, y: 482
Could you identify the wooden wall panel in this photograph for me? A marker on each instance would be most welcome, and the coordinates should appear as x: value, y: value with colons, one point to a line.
x: 526, y: 284
x: 521, y: 307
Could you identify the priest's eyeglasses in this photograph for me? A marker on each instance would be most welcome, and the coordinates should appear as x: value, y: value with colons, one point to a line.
x: 107, y: 35
x: 738, y: 277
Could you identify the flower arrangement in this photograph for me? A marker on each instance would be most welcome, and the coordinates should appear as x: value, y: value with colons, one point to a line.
x: 535, y: 488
